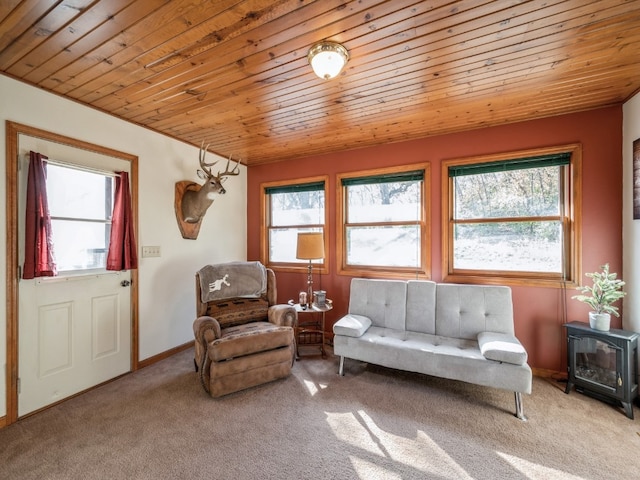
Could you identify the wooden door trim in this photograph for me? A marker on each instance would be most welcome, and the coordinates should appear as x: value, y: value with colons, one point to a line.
x: 12, y: 269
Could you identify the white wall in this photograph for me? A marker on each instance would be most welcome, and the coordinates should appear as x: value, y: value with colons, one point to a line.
x: 166, y: 284
x: 630, y: 227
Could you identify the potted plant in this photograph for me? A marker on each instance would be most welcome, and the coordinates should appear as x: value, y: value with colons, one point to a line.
x: 605, y: 291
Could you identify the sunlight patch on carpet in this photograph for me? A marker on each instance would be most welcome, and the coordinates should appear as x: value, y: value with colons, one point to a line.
x: 348, y: 429
x: 534, y: 470
x: 314, y: 387
x: 418, y: 452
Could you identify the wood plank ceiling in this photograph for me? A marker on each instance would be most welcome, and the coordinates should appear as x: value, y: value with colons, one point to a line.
x: 234, y: 73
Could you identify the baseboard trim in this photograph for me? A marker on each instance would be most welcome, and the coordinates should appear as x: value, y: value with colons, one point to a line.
x: 166, y: 354
x: 544, y: 373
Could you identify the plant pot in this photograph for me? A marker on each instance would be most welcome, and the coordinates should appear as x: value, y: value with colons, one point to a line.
x: 600, y: 321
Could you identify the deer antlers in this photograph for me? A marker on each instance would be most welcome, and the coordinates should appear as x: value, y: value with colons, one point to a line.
x: 201, y: 154
x: 206, y: 166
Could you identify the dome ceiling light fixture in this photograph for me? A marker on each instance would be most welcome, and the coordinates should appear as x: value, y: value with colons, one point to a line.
x: 327, y: 59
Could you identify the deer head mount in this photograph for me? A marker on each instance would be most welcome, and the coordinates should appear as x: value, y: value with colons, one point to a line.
x: 193, y: 200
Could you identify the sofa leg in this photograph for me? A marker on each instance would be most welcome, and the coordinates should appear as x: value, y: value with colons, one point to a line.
x: 341, y: 369
x: 519, y: 409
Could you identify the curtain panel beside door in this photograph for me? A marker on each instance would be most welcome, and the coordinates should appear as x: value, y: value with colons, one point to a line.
x: 39, y: 260
x: 122, y: 243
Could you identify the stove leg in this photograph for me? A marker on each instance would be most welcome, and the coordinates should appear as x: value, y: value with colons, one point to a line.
x: 568, y: 387
x: 628, y: 409
x: 519, y: 409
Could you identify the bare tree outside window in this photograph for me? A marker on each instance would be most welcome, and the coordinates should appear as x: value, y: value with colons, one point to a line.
x: 528, y: 236
x: 383, y: 224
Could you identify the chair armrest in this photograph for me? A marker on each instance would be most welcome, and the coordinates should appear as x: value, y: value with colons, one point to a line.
x: 206, y: 329
x: 283, y: 315
x: 502, y: 347
x: 352, y: 325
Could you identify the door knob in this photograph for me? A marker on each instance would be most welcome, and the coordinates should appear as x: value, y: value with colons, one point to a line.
x: 125, y: 283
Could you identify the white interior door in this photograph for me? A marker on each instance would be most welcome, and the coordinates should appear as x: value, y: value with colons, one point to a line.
x: 74, y: 330
x: 74, y: 334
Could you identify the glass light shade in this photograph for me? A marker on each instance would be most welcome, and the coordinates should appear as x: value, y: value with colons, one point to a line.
x: 328, y: 59
x: 310, y: 246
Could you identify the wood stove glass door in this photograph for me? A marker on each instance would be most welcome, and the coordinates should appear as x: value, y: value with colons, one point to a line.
x: 596, y: 363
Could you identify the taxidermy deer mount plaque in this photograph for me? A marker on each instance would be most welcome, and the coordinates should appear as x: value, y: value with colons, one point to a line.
x: 193, y: 200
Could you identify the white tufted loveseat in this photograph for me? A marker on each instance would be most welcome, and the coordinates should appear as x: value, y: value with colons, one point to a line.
x: 459, y: 332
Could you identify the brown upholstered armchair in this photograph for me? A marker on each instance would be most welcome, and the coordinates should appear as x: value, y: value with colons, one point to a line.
x: 242, y: 338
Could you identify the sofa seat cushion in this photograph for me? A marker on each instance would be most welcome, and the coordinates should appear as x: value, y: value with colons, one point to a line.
x: 502, y: 347
x: 447, y: 357
x: 352, y: 325
x: 423, y: 342
x: 249, y: 338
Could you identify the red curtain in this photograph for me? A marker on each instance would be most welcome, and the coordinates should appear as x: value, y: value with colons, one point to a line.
x: 122, y: 245
x: 38, y: 247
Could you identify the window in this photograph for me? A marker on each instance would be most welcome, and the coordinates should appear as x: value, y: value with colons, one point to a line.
x: 383, y: 217
x: 80, y: 204
x: 511, y: 218
x: 290, y: 208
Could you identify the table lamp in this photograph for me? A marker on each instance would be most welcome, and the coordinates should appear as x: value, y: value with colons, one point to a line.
x: 310, y: 247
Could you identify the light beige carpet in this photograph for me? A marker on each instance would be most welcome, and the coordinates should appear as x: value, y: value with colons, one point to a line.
x: 373, y: 423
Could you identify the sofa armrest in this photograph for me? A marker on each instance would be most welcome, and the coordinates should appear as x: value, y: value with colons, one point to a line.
x: 352, y: 325
x: 282, y: 315
x: 502, y: 347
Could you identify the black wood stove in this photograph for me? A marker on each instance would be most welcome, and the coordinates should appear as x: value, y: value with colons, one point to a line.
x: 603, y: 364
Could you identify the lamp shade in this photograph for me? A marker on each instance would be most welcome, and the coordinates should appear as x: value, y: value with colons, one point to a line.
x: 327, y: 59
x: 310, y: 246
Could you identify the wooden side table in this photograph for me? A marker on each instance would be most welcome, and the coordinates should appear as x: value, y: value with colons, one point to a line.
x: 309, y: 328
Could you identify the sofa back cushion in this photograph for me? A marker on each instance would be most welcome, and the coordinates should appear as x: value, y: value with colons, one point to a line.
x: 383, y: 301
x: 463, y: 311
x: 421, y: 306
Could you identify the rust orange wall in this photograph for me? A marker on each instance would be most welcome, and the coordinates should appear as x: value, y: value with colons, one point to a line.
x: 539, y: 312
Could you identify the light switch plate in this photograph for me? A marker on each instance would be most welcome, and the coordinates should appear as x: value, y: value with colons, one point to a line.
x: 151, y: 251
